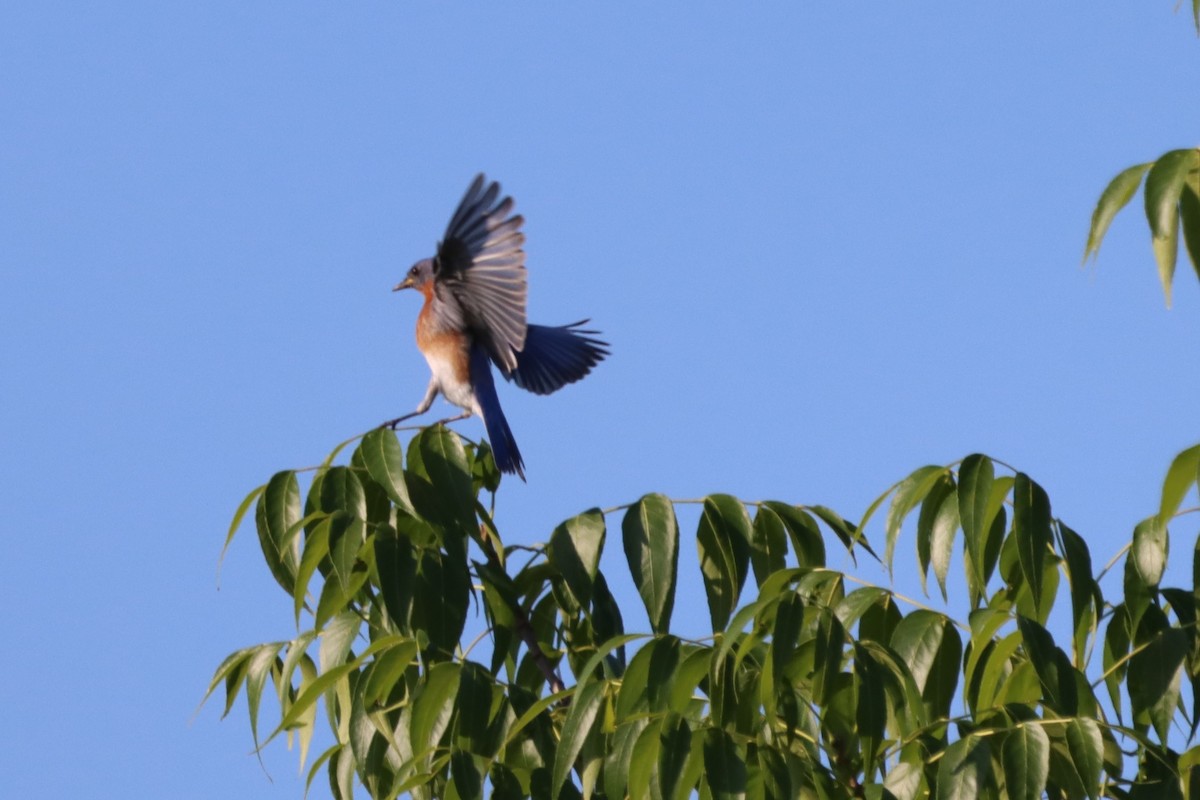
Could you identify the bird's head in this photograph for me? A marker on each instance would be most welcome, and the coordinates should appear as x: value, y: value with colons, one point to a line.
x: 420, y: 276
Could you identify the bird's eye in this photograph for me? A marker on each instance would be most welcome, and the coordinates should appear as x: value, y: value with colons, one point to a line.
x: 413, y: 272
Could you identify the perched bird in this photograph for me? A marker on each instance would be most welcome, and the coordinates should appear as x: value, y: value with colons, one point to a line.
x: 474, y: 313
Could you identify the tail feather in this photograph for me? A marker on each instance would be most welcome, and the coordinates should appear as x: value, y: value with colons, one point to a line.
x: 555, y: 355
x: 500, y: 436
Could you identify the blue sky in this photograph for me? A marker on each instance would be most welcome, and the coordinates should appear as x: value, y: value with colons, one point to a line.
x: 829, y: 243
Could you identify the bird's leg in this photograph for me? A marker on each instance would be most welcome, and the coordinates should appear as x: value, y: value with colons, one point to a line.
x: 448, y: 420
x: 426, y: 402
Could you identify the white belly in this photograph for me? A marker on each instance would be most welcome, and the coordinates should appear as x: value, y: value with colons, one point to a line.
x: 452, y: 387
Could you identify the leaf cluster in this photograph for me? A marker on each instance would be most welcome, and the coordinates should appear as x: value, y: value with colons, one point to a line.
x: 812, y: 683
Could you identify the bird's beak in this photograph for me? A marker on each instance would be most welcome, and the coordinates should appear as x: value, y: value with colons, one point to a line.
x: 407, y: 283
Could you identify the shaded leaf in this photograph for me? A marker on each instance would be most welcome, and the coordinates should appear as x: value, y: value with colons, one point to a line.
x: 964, y: 769
x: 723, y: 542
x: 724, y: 765
x: 975, y: 478
x: 1025, y: 757
x: 1031, y: 532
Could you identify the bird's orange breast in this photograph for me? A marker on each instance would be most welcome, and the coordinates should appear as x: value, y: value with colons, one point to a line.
x: 443, y: 344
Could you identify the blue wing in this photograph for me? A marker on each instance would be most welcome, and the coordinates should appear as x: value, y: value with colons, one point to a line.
x: 555, y: 355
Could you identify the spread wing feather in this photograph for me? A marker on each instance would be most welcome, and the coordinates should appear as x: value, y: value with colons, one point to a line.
x: 481, y: 262
x: 555, y: 356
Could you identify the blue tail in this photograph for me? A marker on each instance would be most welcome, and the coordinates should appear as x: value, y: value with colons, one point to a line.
x: 504, y: 446
x: 554, y: 356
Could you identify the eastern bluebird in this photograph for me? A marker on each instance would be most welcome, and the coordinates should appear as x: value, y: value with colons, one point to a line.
x: 475, y: 312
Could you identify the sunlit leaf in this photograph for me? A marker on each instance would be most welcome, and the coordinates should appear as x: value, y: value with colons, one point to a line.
x: 1085, y: 745
x: 1164, y: 184
x: 1115, y: 196
x: 1149, y: 551
x: 650, y: 535
x: 384, y: 459
x: 911, y: 491
x: 1181, y: 477
x: 277, y: 510
x: 578, y: 724
x: 575, y: 548
x: 433, y: 704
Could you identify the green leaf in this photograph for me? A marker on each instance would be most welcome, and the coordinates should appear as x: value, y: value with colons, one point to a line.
x: 277, y: 510
x: 1115, y: 196
x: 238, y: 515
x: 1086, y: 747
x: 724, y: 765
x: 918, y: 639
x: 1085, y: 593
x: 389, y: 666
x: 911, y: 491
x: 1154, y: 677
x: 396, y: 563
x: 330, y: 676
x: 1054, y: 669
x: 575, y: 548
x: 1181, y: 477
x: 1164, y: 185
x: 432, y: 706
x: 448, y: 498
x: 1025, y: 758
x: 650, y: 534
x: 931, y: 505
x: 316, y: 550
x: 1189, y: 221
x: 576, y: 727
x: 675, y: 744
x: 384, y: 459
x: 1149, y: 551
x: 768, y: 545
x: 342, y: 491
x: 440, y: 599
x: 723, y: 541
x: 1031, y: 531
x: 258, y: 666
x: 975, y: 478
x: 964, y: 769
x: 803, y: 530
x: 620, y: 755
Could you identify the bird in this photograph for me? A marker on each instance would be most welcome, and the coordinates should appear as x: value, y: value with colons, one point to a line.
x: 474, y: 317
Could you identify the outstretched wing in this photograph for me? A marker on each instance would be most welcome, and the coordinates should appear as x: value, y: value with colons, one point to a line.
x: 481, y: 263
x: 555, y: 356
